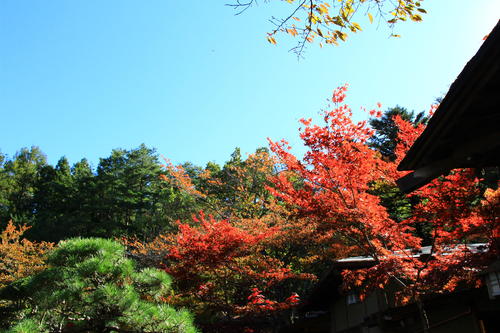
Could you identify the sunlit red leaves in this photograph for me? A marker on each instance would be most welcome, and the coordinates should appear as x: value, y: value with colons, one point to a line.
x: 216, y: 263
x: 407, y: 134
x: 330, y: 186
x: 336, y: 173
x: 212, y: 242
x: 323, y: 208
x: 449, y: 206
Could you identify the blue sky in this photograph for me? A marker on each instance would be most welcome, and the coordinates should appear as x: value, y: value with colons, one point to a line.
x: 79, y: 78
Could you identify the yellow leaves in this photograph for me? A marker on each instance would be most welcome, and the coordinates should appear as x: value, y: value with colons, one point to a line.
x: 292, y: 31
x: 323, y: 9
x: 341, y: 35
x: 337, y: 20
x: 271, y: 40
x: 405, y: 299
x: 491, y: 198
x: 315, y: 19
x: 332, y: 40
x: 178, y: 177
x: 355, y: 26
x: 12, y: 234
x: 491, y: 193
x: 346, y: 13
x: 416, y: 18
x: 319, y: 16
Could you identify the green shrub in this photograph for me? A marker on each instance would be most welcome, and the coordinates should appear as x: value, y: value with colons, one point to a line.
x: 90, y: 286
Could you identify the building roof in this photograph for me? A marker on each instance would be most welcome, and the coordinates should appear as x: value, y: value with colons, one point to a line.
x: 464, y: 132
x: 423, y: 251
x: 329, y: 286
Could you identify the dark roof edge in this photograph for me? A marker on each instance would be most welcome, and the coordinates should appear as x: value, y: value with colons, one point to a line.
x: 455, y: 100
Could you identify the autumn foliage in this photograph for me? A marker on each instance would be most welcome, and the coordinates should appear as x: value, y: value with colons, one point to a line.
x: 19, y: 257
x: 338, y: 172
x: 282, y: 221
x: 328, y: 22
x: 222, y: 271
x: 267, y: 226
x: 238, y: 190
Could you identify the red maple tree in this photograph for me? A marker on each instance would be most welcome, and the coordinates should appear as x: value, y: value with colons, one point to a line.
x: 242, y: 269
x: 331, y: 186
x: 222, y: 271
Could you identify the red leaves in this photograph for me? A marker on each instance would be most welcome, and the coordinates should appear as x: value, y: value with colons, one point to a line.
x: 407, y: 134
x: 216, y: 264
x: 324, y: 208
x: 211, y: 242
x: 293, y: 299
x: 339, y: 94
x: 331, y: 186
x: 337, y: 172
x: 259, y: 303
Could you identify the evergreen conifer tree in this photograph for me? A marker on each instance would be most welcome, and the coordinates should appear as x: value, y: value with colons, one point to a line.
x: 90, y: 286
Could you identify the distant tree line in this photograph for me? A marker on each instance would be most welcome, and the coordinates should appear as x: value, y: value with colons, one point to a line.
x: 123, y: 195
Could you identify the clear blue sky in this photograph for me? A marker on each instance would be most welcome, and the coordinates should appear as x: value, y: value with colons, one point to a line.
x: 79, y: 78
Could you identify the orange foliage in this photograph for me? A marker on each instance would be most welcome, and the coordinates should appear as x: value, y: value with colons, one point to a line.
x: 180, y: 178
x: 19, y: 257
x: 236, y: 191
x: 337, y: 172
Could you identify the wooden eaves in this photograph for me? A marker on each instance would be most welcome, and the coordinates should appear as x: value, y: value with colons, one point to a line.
x: 465, y: 130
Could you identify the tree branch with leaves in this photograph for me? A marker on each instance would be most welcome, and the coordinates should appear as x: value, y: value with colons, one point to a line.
x: 330, y: 22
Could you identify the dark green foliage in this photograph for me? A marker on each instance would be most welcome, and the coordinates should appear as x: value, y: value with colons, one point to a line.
x: 18, y: 181
x: 129, y: 188
x: 4, y: 188
x: 386, y: 131
x: 123, y: 197
x: 398, y: 205
x: 90, y: 286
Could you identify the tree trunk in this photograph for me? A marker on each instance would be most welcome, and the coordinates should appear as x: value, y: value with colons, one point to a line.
x: 423, y: 316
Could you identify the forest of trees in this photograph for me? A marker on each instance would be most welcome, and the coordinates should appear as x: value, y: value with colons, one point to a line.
x: 241, y: 243
x: 123, y: 195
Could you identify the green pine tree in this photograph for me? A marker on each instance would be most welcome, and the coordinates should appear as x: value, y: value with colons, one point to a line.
x: 90, y: 286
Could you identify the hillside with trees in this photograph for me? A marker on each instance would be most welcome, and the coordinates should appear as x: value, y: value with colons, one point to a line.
x: 244, y: 242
